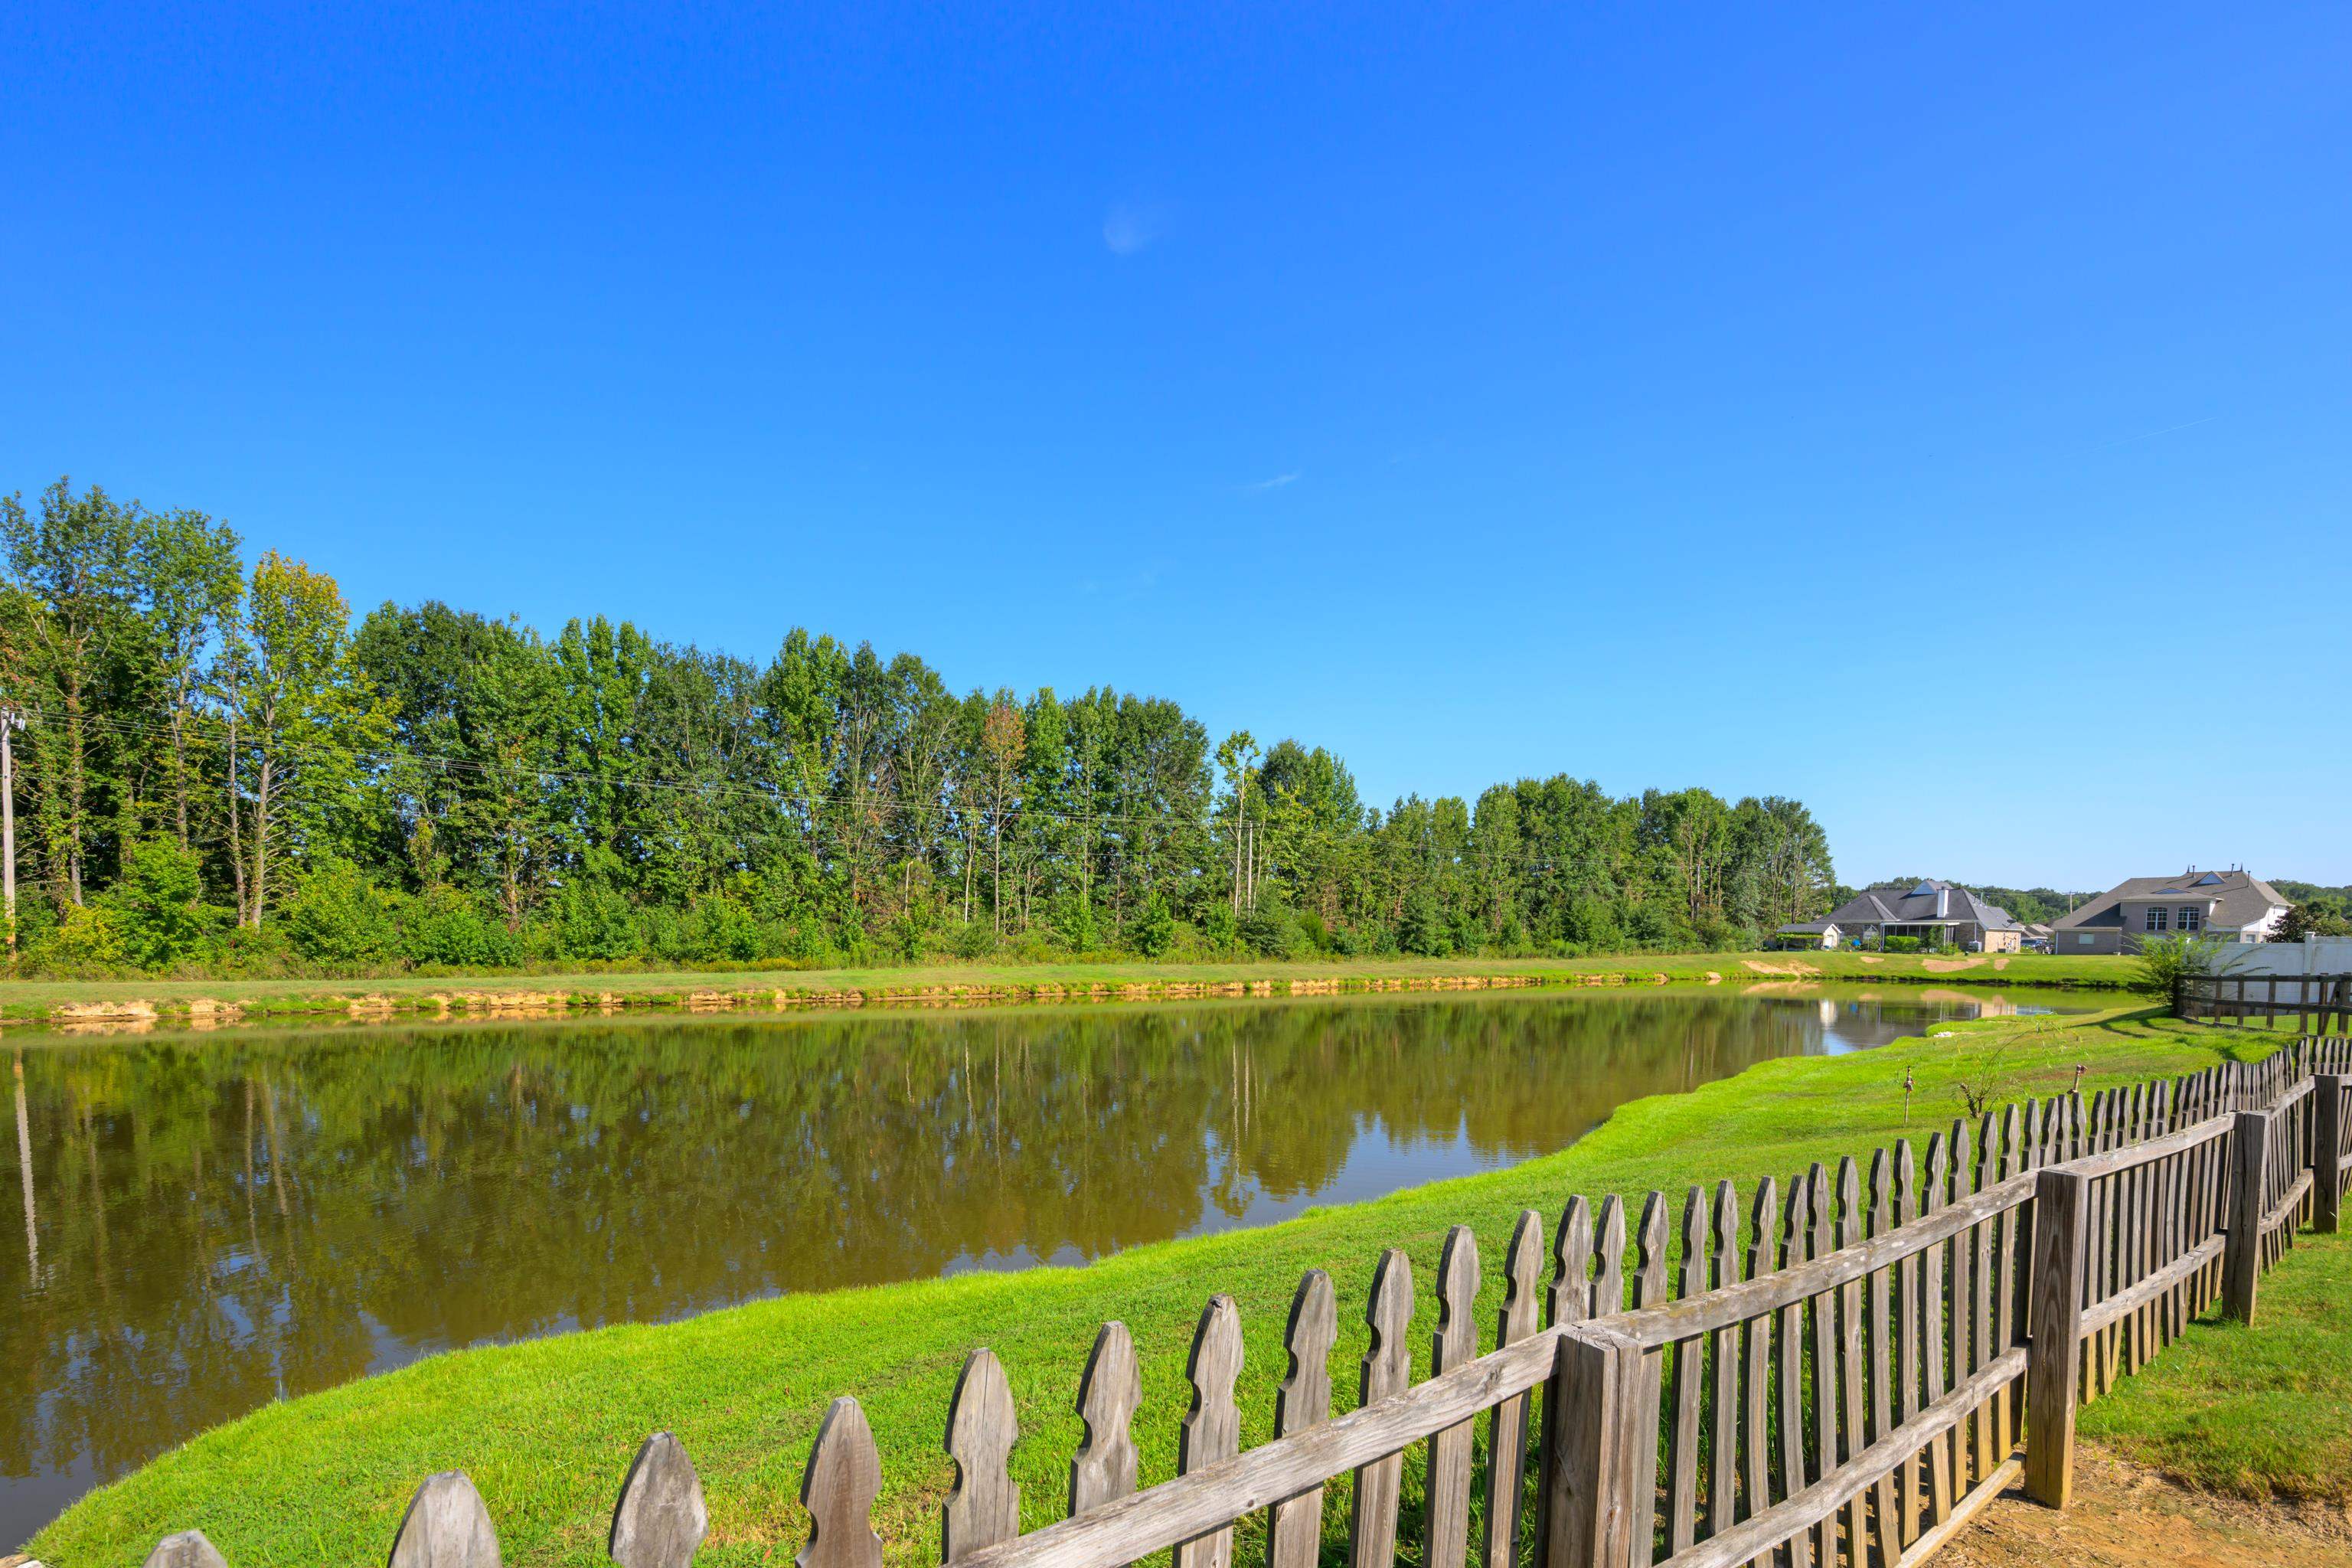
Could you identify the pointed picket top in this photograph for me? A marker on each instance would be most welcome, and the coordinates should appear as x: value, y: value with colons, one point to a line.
x: 1650, y: 1243
x: 1103, y: 1470
x: 1763, y: 1217
x: 445, y: 1527
x: 1212, y: 1429
x: 1609, y: 1250
x: 838, y: 1489
x: 2017, y: 1139
x: 1295, y: 1526
x: 1906, y: 1183
x: 1800, y: 1221
x: 659, y: 1520
x: 1691, y: 1278
x: 1987, y: 1151
x: 1880, y: 1198
x: 1522, y: 1277
x: 1304, y: 1398
x: 983, y: 1507
x: 1957, y: 1150
x: 1507, y: 1439
x: 1455, y: 1340
x: 188, y: 1548
x: 1934, y: 1193
x: 1849, y: 1201
x: 1388, y: 1359
x: 1569, y: 1300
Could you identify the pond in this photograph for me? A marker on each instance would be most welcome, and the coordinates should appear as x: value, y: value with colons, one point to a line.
x: 212, y: 1221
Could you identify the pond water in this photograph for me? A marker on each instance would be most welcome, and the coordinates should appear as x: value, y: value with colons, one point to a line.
x: 212, y: 1221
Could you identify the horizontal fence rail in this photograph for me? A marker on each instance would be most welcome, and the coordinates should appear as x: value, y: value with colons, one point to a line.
x: 1840, y: 1370
x: 2322, y: 1000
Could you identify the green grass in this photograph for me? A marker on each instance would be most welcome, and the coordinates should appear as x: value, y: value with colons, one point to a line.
x: 546, y: 1429
x: 34, y: 999
x: 2260, y: 1411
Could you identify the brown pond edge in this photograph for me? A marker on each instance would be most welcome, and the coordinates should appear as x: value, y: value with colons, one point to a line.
x: 135, y: 1013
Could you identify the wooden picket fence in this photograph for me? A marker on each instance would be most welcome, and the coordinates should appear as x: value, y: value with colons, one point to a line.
x: 2324, y: 1002
x: 1844, y: 1380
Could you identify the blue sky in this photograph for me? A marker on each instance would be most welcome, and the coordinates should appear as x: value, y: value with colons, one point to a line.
x: 1942, y: 420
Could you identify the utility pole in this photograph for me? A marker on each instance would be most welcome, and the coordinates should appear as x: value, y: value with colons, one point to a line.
x: 11, y: 721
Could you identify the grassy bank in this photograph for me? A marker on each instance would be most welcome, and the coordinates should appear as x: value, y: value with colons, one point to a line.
x: 951, y: 985
x: 2260, y: 1411
x: 547, y: 1429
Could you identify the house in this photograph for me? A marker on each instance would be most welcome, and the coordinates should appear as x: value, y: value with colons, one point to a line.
x: 1935, y: 912
x: 2037, y: 937
x: 2229, y: 904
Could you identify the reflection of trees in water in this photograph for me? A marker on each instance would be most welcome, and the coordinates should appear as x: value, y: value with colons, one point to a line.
x: 222, y: 1218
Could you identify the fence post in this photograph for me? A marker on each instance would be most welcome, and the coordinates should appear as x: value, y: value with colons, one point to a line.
x: 2326, y: 1152
x: 2241, y: 1253
x: 2060, y: 1241
x: 1599, y: 1456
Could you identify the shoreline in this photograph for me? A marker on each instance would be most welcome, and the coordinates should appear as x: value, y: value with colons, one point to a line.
x: 543, y: 1426
x: 209, y: 1003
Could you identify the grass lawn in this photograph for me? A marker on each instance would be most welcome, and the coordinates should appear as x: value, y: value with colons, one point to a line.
x: 33, y: 999
x: 547, y: 1429
x: 2259, y: 1412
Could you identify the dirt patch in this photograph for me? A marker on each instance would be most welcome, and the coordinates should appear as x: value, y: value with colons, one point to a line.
x: 1792, y: 967
x: 2001, y: 963
x: 2123, y: 1516
x: 1945, y: 965
x: 1869, y: 958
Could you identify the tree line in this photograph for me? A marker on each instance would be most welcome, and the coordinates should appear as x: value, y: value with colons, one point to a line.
x: 218, y: 770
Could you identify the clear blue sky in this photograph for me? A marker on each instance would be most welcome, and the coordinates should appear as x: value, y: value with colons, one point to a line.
x: 1945, y: 420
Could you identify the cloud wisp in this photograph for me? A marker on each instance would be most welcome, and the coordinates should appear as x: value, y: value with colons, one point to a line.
x: 1130, y: 227
x: 1275, y: 483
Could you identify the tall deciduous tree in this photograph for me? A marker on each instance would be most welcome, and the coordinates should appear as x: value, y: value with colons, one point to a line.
x: 303, y: 717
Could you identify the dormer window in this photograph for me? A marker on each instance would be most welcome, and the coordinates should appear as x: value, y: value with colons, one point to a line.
x: 2191, y: 917
x: 2155, y: 913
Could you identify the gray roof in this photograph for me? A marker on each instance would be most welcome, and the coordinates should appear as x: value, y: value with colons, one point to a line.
x: 1805, y: 928
x: 1897, y: 904
x: 2235, y: 899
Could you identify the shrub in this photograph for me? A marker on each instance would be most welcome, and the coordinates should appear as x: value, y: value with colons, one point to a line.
x: 86, y: 938
x: 337, y: 916
x: 1153, y: 930
x: 1421, y: 930
x: 719, y: 929
x: 448, y: 927
x: 593, y: 920
x: 154, y: 904
x: 2164, y: 962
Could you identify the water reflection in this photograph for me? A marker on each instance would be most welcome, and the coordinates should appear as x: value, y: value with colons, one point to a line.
x: 215, y: 1221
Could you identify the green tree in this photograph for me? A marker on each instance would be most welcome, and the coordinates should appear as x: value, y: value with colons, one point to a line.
x: 302, y: 719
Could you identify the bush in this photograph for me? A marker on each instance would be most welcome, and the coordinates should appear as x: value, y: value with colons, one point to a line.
x: 718, y: 929
x: 1274, y: 932
x: 1422, y: 928
x: 2164, y: 962
x: 1153, y: 930
x: 86, y: 938
x: 1899, y: 944
x: 593, y: 920
x: 154, y: 904
x: 450, y: 928
x: 337, y: 916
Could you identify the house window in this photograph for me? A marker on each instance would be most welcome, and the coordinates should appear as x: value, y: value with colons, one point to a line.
x: 2189, y: 919
x: 2085, y: 940
x: 2155, y: 917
